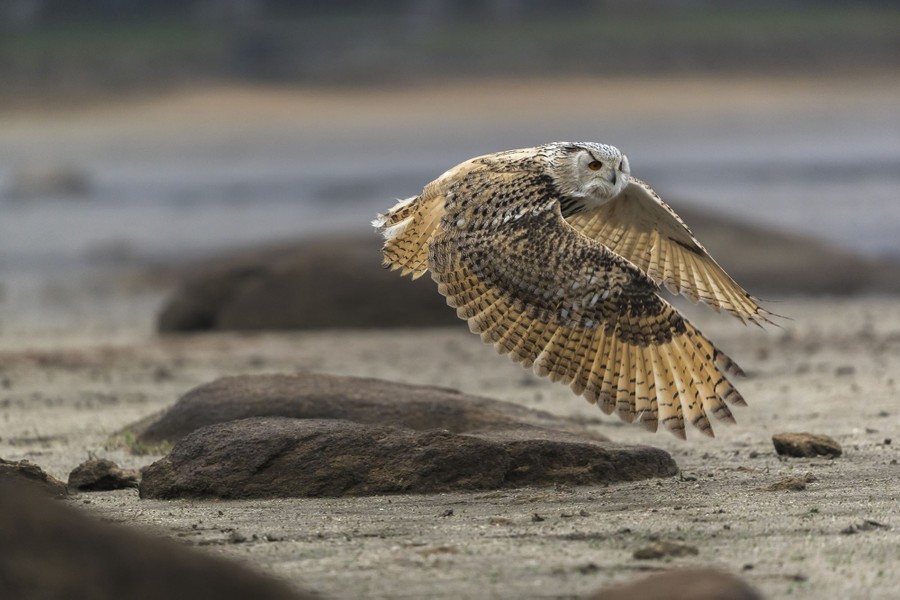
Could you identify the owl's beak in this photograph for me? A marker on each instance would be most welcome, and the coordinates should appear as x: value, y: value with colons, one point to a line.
x: 613, y: 177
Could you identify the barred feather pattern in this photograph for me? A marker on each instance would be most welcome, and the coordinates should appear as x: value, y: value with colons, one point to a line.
x: 642, y: 228
x: 492, y: 234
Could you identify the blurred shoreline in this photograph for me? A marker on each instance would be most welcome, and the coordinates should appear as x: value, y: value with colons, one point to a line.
x: 187, y: 174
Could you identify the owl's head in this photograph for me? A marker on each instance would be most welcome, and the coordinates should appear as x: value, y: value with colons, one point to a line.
x: 595, y: 172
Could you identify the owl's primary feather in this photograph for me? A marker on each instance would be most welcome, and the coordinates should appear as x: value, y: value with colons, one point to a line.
x: 553, y: 256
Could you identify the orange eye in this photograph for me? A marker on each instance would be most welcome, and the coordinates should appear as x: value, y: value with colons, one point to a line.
x: 595, y: 165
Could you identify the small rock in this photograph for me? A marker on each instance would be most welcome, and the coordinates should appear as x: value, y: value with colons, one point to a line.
x: 682, y: 584
x: 805, y: 445
x: 29, y: 474
x: 844, y: 370
x: 97, y: 475
x: 663, y: 549
x: 236, y: 537
x: 447, y: 513
x: 791, y: 484
x: 536, y: 518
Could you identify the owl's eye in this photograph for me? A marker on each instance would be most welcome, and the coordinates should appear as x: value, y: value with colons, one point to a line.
x: 595, y: 165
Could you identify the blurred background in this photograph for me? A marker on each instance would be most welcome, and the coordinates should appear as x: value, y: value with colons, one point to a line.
x: 140, y: 138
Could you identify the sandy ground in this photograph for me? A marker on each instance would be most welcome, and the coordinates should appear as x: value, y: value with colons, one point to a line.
x: 67, y: 386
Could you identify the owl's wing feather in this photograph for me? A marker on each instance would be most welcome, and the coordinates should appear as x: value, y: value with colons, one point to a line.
x: 573, y: 311
x: 643, y: 229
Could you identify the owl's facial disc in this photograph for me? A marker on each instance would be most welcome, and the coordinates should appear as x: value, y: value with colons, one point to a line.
x: 602, y: 171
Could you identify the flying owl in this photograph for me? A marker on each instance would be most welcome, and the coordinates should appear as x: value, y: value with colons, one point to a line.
x: 555, y: 255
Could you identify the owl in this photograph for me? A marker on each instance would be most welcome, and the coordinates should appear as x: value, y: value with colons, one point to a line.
x: 555, y: 255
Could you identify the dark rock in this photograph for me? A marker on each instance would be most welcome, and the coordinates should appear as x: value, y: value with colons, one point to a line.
x: 320, y: 283
x: 545, y: 457
x: 98, y: 475
x: 309, y: 285
x: 663, y: 549
x: 53, y: 551
x: 282, y: 457
x: 361, y: 400
x: 682, y: 584
x: 278, y: 457
x: 805, y: 445
x: 24, y: 473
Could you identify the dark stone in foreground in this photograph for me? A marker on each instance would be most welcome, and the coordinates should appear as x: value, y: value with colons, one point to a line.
x: 281, y: 457
x: 682, y: 584
x: 361, y: 400
x: 97, y: 475
x: 26, y: 474
x: 805, y: 445
x: 52, y: 551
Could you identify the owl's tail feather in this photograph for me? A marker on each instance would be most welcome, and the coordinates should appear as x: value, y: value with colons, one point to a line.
x: 407, y: 228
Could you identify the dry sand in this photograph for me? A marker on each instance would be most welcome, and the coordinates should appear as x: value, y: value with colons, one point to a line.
x: 66, y: 387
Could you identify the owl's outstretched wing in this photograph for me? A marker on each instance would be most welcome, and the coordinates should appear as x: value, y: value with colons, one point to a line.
x: 565, y: 305
x: 640, y: 227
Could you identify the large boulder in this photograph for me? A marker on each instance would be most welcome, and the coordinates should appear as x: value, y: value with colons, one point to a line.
x: 357, y: 399
x: 334, y: 283
x: 53, y: 551
x: 268, y: 457
x: 339, y: 282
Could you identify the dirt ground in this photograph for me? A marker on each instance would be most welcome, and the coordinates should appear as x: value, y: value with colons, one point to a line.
x: 66, y: 386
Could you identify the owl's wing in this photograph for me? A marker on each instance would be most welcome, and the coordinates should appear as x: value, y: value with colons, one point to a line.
x: 565, y: 305
x: 640, y: 227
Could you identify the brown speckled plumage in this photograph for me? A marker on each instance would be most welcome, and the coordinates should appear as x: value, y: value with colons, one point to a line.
x: 559, y: 267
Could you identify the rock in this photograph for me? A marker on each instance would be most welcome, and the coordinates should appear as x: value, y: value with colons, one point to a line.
x: 361, y: 400
x: 313, y: 284
x: 682, y: 584
x: 279, y: 457
x: 546, y: 457
x: 52, y: 551
x: 282, y: 457
x: 805, y: 445
x: 98, y: 475
x: 791, y: 484
x: 663, y: 549
x: 30, y: 475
